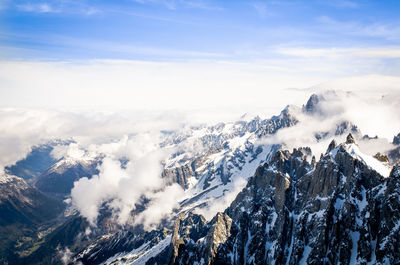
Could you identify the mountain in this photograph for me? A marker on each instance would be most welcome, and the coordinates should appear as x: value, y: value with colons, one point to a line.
x: 343, y: 209
x: 58, y: 180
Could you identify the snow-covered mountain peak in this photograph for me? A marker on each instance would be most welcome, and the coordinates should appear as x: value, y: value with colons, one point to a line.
x: 69, y: 162
x: 350, y: 147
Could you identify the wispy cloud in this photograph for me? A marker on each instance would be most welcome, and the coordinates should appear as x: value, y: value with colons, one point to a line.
x: 176, y: 4
x: 261, y: 8
x: 355, y: 28
x: 128, y: 12
x: 91, y: 11
x: 123, y: 49
x: 38, y: 8
x: 340, y: 3
x: 69, y: 7
x: 202, y: 5
x: 170, y: 4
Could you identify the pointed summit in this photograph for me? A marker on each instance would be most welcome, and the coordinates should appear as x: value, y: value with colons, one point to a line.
x: 332, y: 146
x: 350, y: 139
x: 312, y: 103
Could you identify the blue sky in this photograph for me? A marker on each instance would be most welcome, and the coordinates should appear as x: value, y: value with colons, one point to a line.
x: 157, y: 53
x: 182, y: 29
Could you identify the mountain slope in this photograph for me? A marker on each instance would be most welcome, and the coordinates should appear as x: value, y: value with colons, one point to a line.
x: 23, y: 209
x: 36, y: 162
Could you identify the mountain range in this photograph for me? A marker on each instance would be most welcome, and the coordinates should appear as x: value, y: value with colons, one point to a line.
x: 246, y: 198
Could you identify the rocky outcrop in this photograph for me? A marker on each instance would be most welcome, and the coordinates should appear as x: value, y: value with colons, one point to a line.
x: 350, y: 139
x: 382, y: 157
x: 194, y: 235
x: 182, y: 174
x: 217, y: 235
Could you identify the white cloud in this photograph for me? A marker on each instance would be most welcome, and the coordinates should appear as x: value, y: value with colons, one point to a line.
x: 122, y: 188
x: 161, y: 206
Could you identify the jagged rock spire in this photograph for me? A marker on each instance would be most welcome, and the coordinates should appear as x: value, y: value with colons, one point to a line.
x: 312, y: 103
x: 350, y: 139
x: 332, y: 146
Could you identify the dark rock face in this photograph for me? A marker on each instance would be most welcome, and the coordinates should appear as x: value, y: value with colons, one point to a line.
x: 312, y: 103
x: 350, y: 139
x: 340, y: 211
